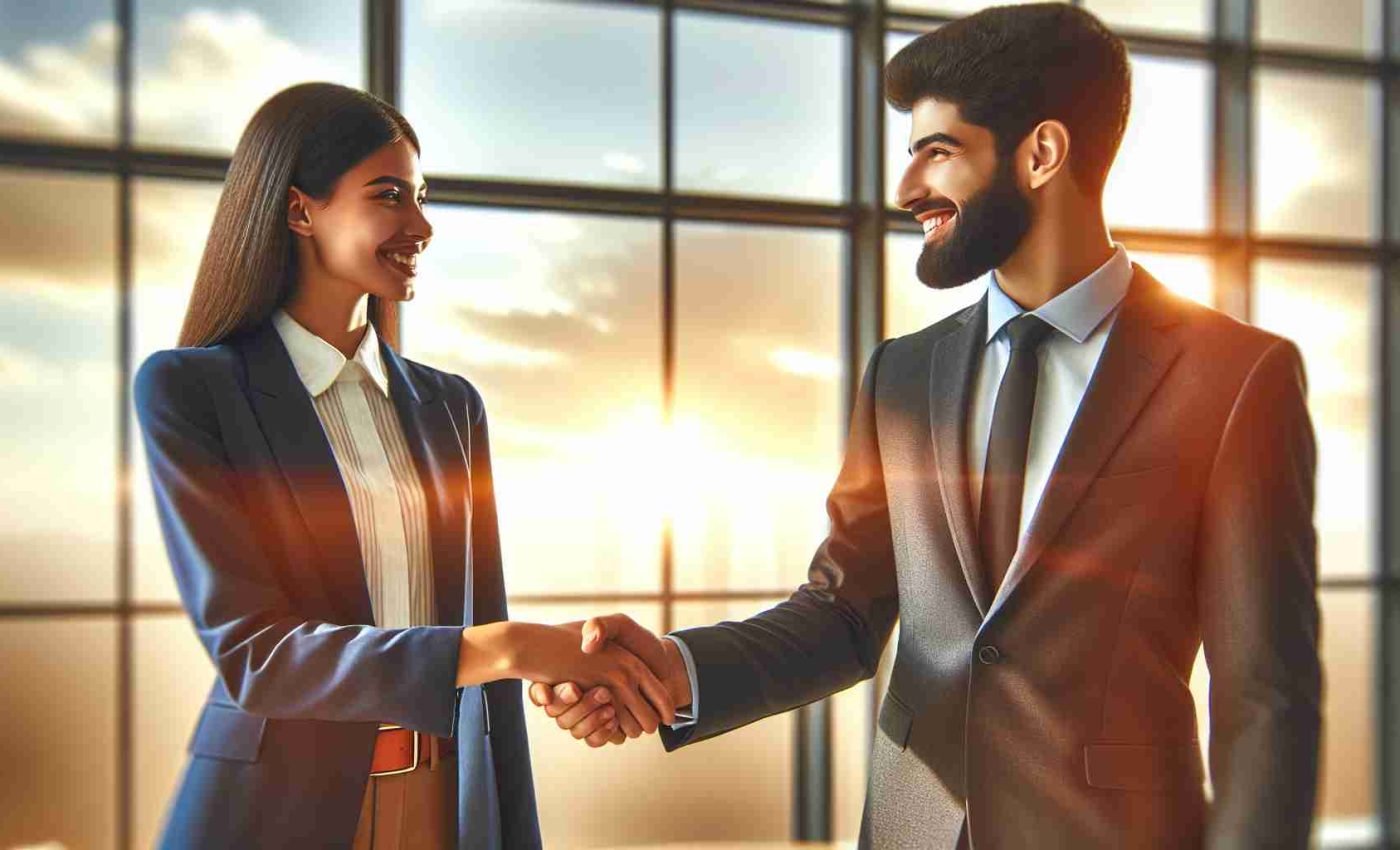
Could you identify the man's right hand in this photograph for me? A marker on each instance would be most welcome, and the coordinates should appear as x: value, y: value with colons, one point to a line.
x: 576, y: 712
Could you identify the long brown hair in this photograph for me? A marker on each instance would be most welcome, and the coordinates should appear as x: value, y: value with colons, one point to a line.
x: 305, y: 136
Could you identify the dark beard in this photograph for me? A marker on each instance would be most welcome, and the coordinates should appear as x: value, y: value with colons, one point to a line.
x: 985, y: 234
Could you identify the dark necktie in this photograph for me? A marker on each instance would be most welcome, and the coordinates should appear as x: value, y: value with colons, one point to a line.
x: 1004, y: 478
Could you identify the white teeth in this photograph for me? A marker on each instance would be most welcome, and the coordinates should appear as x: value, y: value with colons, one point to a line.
x: 410, y: 260
x: 934, y: 222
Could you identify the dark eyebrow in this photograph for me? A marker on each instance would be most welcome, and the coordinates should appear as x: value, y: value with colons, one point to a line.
x: 395, y: 181
x: 934, y: 139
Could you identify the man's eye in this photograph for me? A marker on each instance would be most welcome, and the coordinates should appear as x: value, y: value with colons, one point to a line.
x: 937, y: 152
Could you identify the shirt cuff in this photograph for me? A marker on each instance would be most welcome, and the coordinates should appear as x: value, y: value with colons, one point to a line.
x: 690, y: 715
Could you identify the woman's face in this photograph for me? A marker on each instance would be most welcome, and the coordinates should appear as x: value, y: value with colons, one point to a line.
x: 371, y: 229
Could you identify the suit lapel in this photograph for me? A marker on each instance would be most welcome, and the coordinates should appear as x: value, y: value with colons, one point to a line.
x: 953, y: 364
x: 434, y: 442
x: 293, y: 430
x: 1137, y: 354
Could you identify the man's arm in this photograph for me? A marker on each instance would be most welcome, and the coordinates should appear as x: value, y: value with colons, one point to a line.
x: 1257, y: 575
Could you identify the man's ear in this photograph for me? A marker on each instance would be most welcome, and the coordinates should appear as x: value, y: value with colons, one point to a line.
x: 298, y: 211
x: 1047, y: 152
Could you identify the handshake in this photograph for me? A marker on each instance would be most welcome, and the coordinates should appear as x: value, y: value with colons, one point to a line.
x: 629, y: 682
x: 605, y: 679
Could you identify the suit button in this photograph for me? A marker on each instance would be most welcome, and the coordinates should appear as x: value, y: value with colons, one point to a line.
x: 989, y: 655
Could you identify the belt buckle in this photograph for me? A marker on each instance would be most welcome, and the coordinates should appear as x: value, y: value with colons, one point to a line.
x: 389, y: 727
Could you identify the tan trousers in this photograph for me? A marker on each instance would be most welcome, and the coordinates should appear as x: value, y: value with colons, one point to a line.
x: 410, y: 811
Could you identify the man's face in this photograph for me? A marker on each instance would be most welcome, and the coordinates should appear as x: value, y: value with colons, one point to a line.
x: 968, y: 200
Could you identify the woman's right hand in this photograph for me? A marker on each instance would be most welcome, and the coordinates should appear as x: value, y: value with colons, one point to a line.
x: 551, y: 654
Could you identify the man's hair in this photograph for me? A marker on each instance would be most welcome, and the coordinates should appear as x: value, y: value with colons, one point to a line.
x: 1008, y: 68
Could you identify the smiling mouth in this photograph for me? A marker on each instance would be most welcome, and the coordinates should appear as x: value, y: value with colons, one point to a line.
x: 935, y: 224
x: 405, y: 264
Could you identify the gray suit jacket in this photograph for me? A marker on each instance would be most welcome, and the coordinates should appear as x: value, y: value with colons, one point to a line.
x: 1058, y: 714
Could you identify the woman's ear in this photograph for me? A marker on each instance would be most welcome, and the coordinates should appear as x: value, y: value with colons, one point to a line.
x: 1048, y: 149
x: 298, y: 211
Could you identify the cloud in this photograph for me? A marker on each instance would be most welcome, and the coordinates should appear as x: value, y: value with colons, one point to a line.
x: 624, y: 162
x: 234, y: 53
x: 806, y: 364
x: 67, y: 91
x: 217, y: 68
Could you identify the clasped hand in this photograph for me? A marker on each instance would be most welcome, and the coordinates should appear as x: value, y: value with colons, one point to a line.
x: 585, y: 708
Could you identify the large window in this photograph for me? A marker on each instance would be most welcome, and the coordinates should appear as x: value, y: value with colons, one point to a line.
x: 650, y: 260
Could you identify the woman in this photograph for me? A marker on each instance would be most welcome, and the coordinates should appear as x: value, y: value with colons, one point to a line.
x: 327, y: 507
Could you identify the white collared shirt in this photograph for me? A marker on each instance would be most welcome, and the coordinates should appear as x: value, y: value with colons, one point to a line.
x: 1082, y: 317
x: 352, y: 400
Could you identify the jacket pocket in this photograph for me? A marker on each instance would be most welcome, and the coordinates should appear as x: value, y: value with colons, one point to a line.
x: 227, y: 733
x: 1143, y: 767
x: 896, y: 719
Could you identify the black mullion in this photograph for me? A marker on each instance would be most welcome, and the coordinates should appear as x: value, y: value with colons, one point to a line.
x: 125, y: 702
x: 789, y: 11
x: 1232, y: 178
x: 1385, y: 417
x: 866, y: 320
x: 135, y: 609
x: 383, y: 34
x: 21, y: 611
x: 668, y: 294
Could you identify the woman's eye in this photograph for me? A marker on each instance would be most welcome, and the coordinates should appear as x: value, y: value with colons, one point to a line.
x: 389, y: 195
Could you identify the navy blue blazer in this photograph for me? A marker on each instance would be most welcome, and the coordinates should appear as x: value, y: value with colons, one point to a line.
x: 262, y: 541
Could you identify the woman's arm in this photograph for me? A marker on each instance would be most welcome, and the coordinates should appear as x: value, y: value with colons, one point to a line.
x: 272, y: 660
x: 540, y: 653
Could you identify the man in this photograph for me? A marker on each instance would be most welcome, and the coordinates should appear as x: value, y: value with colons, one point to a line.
x: 1062, y: 492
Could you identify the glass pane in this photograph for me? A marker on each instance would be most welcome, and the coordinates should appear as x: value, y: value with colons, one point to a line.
x: 910, y: 305
x: 1315, y: 166
x: 1346, y: 803
x: 1347, y: 792
x: 549, y: 91
x: 790, y: 141
x: 1352, y: 26
x: 61, y: 749
x: 557, y: 320
x: 185, y: 54
x: 851, y: 722
x: 1161, y: 176
x: 739, y: 785
x: 896, y: 128
x: 758, y: 409
x: 1184, y: 17
x: 58, y: 63
x: 172, y: 223
x: 58, y: 368
x: 1184, y: 274
x: 1326, y: 309
x: 171, y: 677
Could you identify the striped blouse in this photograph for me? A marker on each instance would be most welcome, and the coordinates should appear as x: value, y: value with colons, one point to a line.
x: 351, y: 398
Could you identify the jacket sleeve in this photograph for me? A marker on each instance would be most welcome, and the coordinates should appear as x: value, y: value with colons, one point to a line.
x: 273, y: 661
x: 1257, y: 562
x: 510, y: 745
x: 829, y: 634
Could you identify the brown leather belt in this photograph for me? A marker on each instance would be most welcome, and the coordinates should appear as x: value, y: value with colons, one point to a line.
x: 399, y: 750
